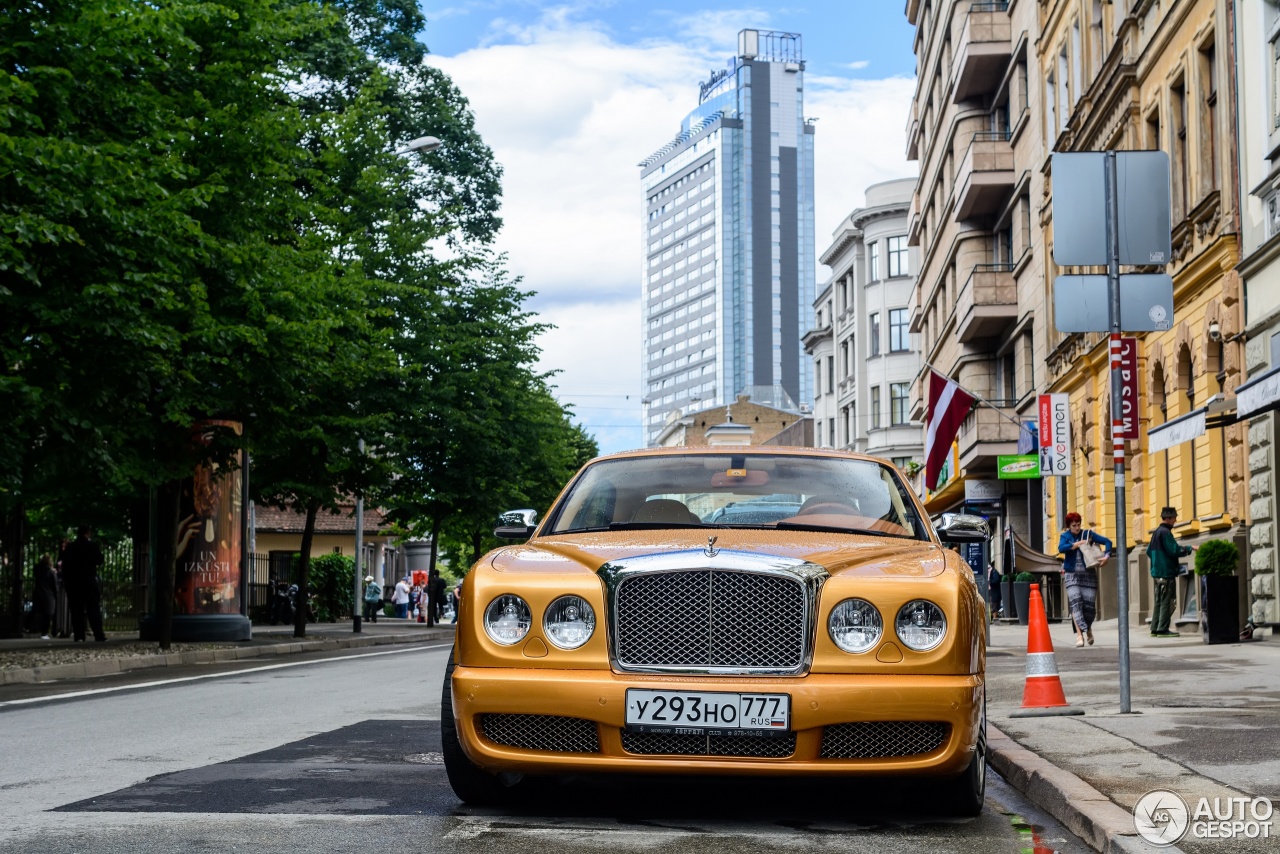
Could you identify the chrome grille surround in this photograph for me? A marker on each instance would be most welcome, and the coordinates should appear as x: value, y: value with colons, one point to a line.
x: 731, y: 613
x: 883, y: 739
x: 659, y: 744
x: 541, y: 732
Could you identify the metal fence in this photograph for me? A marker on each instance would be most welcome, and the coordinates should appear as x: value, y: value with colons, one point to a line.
x: 124, y: 585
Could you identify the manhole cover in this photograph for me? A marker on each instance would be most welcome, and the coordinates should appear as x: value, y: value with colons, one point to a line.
x: 425, y: 758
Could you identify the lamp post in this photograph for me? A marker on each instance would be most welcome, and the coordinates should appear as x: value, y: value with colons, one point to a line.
x: 424, y: 144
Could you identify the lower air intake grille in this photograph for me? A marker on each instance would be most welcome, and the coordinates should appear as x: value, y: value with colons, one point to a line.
x: 542, y: 732
x: 883, y: 739
x: 656, y: 744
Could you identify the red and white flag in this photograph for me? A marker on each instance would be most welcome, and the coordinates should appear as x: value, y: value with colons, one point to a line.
x: 948, y: 406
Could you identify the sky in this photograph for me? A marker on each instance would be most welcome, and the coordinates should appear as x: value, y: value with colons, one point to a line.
x: 571, y: 96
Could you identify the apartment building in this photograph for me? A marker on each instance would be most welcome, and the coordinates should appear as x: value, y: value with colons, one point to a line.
x: 981, y: 295
x: 864, y: 354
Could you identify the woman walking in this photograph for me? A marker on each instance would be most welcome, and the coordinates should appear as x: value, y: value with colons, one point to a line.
x: 1081, y: 581
x: 44, y: 598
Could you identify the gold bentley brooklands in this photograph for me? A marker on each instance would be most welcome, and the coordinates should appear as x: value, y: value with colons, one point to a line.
x: 734, y: 611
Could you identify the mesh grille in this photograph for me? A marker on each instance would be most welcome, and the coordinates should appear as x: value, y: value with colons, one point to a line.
x: 542, y: 732
x: 656, y: 744
x: 705, y: 618
x: 883, y: 739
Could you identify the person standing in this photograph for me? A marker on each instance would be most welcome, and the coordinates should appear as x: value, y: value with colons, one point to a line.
x: 400, y: 598
x: 44, y: 598
x: 1081, y: 581
x: 80, y: 564
x: 372, y: 599
x: 1164, y: 552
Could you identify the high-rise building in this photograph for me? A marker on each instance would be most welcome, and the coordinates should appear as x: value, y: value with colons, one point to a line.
x: 728, y: 276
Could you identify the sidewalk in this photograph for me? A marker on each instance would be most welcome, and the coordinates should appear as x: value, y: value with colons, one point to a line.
x: 34, y: 660
x: 1205, y: 722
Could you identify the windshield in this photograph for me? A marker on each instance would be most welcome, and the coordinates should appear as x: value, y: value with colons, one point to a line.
x: 739, y: 491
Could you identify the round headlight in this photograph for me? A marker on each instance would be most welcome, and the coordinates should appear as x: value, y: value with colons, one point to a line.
x: 507, y: 619
x: 855, y: 625
x: 569, y: 622
x: 921, y: 625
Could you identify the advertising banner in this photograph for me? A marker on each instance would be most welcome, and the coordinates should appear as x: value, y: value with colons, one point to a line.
x: 210, y: 537
x: 1125, y: 422
x: 1055, y: 434
x: 1018, y: 466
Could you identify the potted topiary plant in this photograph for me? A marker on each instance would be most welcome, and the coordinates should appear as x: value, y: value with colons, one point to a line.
x: 1022, y: 595
x: 1006, y: 595
x: 1216, y: 564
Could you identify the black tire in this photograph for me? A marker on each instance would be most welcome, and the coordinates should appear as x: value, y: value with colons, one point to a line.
x: 471, y: 783
x: 964, y: 795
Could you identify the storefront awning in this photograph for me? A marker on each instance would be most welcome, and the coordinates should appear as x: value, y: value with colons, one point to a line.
x: 1218, y: 412
x: 1260, y: 394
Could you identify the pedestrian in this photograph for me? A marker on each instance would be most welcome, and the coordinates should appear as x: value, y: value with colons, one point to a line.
x: 400, y: 598
x: 80, y: 564
x: 437, y: 594
x: 993, y: 589
x: 1081, y: 581
x: 1164, y: 551
x: 44, y: 598
x: 420, y: 603
x: 457, y: 600
x: 372, y: 599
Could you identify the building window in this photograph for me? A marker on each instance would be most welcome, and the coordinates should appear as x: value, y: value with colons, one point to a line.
x: 898, y: 403
x: 817, y: 375
x: 899, y: 337
x: 874, y: 332
x: 844, y: 359
x: 1178, y: 109
x: 897, y: 256
x: 831, y: 431
x: 1209, y: 117
x: 901, y: 462
x: 831, y: 374
x: 875, y: 407
x: 873, y: 261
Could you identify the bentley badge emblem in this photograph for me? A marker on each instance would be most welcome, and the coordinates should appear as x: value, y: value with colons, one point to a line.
x: 710, y: 550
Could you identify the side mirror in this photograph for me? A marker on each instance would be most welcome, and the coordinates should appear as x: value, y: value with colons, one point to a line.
x: 516, y: 525
x: 963, y: 528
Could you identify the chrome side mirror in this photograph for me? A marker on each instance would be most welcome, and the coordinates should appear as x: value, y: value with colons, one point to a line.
x: 516, y: 524
x: 963, y: 528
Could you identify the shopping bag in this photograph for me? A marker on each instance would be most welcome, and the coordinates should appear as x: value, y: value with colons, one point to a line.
x: 1091, y: 553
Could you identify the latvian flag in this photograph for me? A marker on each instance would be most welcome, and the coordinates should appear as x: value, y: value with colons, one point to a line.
x: 948, y: 406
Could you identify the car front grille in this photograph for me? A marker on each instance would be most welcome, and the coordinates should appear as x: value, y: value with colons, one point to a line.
x: 883, y: 739
x: 542, y: 732
x: 711, y: 619
x: 656, y: 744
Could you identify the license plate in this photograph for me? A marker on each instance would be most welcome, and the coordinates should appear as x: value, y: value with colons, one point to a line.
x: 707, y: 712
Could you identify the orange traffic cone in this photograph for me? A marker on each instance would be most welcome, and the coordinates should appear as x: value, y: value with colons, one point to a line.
x: 1043, y: 693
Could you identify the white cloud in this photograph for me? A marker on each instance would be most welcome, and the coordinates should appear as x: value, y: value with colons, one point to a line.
x: 569, y: 112
x: 858, y: 65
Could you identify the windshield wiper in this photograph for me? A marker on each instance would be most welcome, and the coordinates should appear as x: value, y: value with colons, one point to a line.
x: 839, y: 529
x: 652, y: 526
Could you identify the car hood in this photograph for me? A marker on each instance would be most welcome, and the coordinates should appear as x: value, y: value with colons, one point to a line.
x: 839, y: 554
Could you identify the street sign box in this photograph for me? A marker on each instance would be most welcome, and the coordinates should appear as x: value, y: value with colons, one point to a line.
x: 1080, y: 303
x: 1017, y: 466
x: 1080, y: 208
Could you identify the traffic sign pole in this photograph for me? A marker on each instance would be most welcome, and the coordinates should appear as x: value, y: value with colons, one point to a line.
x: 1117, y: 426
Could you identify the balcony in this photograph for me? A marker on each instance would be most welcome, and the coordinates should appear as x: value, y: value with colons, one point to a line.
x: 982, y: 54
x: 913, y: 220
x: 985, y: 179
x: 986, y: 434
x: 987, y: 303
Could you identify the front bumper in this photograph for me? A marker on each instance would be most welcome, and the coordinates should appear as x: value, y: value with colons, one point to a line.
x: 817, y: 701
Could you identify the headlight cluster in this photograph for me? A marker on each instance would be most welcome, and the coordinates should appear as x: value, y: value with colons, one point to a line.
x: 568, y: 622
x: 856, y: 626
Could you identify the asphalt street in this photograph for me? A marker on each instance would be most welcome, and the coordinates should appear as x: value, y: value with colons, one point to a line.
x: 343, y: 753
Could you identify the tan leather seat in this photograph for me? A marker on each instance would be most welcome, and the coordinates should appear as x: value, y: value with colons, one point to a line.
x: 664, y: 510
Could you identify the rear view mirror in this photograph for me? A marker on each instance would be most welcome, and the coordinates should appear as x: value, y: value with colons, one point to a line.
x: 963, y: 528
x: 516, y: 524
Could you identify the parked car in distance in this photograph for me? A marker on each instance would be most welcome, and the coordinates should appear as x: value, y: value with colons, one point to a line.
x: 648, y: 624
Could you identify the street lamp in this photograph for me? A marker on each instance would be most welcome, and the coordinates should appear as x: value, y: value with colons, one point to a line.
x: 424, y: 144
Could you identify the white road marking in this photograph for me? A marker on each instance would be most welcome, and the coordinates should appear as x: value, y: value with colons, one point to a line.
x: 72, y: 695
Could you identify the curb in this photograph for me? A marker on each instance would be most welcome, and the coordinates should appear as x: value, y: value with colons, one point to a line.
x: 109, y: 666
x: 1080, y: 807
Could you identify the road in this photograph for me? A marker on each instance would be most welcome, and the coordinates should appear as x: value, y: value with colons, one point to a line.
x: 341, y: 753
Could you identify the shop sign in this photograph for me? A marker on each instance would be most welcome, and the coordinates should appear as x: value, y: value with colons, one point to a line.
x: 1055, y: 434
x: 1018, y: 466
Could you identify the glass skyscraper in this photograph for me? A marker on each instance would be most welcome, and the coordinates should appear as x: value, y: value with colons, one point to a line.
x: 728, y: 278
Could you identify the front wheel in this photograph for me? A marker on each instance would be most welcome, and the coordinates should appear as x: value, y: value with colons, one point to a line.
x: 964, y: 795
x: 471, y: 783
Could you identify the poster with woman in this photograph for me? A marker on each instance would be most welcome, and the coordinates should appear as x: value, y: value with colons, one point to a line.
x: 210, y: 536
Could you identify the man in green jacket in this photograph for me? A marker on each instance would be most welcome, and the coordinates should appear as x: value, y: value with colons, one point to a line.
x: 1164, y: 552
